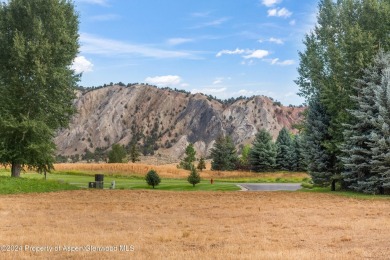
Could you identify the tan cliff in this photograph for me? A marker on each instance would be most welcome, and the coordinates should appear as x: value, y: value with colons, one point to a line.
x: 118, y: 114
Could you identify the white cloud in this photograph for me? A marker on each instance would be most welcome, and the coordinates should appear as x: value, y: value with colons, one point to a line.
x: 248, y: 63
x: 200, y: 14
x: 168, y: 80
x: 177, y: 41
x: 81, y: 64
x: 283, y: 12
x: 213, y: 23
x: 217, y: 81
x: 292, y: 22
x: 282, y: 63
x: 236, y: 51
x: 102, y: 46
x: 276, y: 40
x: 220, y: 80
x: 270, y: 3
x: 257, y: 54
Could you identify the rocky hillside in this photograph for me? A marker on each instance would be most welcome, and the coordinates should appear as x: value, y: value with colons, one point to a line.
x: 165, y: 120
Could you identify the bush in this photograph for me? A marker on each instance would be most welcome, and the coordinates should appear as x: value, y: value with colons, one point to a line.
x: 152, y: 178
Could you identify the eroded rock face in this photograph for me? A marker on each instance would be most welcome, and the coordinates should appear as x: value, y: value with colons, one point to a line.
x: 117, y: 114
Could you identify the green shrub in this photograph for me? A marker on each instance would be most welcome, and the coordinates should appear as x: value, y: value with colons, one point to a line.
x: 152, y: 178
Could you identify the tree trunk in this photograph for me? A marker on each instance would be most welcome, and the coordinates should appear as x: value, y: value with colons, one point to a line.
x: 15, y: 170
x: 333, y: 185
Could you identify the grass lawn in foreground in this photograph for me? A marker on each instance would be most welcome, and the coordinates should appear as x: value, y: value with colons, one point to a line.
x: 350, y: 194
x: 130, y: 182
x: 10, y: 185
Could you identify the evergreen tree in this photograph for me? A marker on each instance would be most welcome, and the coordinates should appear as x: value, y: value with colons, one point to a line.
x: 194, y: 177
x: 344, y: 41
x: 262, y: 156
x: 361, y: 136
x: 284, y: 151
x: 152, y: 178
x: 318, y: 158
x: 38, y: 43
x: 299, y: 162
x: 201, y: 165
x: 380, y: 177
x: 188, y: 160
x: 134, y: 153
x: 117, y: 154
x: 224, y: 154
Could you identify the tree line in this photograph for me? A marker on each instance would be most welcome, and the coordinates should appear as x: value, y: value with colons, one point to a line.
x: 344, y: 77
x: 285, y: 154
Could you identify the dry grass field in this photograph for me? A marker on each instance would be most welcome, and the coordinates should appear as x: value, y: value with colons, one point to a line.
x: 195, y: 225
x: 165, y: 171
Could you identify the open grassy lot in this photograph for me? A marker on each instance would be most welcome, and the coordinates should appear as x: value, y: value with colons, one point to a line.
x: 32, y: 182
x: 195, y: 225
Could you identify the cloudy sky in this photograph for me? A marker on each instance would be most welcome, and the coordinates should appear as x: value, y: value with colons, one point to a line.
x: 224, y: 48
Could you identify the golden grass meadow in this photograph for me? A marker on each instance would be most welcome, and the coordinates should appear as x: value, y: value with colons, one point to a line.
x: 165, y: 171
x: 155, y: 224
x: 194, y: 225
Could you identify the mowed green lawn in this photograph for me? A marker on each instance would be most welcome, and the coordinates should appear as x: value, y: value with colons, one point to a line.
x: 29, y: 180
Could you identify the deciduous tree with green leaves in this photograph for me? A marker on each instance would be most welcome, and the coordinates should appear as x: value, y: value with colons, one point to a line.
x: 38, y: 43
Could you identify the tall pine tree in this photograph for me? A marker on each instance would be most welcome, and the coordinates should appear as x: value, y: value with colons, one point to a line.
x: 316, y: 134
x: 361, y: 136
x: 284, y: 151
x: 380, y: 177
x: 262, y: 156
x: 224, y: 154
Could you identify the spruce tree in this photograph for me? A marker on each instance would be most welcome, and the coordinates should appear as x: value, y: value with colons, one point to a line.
x: 298, y: 157
x: 194, y: 177
x: 318, y: 158
x: 362, y: 136
x: 262, y: 156
x: 201, y: 165
x: 134, y: 153
x: 284, y: 151
x: 380, y: 177
x: 188, y: 160
x: 152, y: 178
x: 224, y: 154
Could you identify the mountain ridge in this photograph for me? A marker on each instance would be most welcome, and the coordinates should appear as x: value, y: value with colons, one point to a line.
x: 167, y: 120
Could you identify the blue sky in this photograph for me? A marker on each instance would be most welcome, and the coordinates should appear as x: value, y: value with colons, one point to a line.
x: 223, y: 48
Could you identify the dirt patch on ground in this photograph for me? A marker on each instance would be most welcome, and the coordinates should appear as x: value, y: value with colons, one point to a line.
x: 195, y: 225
